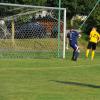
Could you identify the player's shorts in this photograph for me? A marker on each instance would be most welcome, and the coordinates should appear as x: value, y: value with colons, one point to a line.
x: 91, y: 45
x: 74, y: 45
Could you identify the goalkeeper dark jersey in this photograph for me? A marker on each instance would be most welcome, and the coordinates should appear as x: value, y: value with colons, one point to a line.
x: 73, y: 37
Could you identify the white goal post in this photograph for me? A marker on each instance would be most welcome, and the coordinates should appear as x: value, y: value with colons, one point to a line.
x: 33, y: 28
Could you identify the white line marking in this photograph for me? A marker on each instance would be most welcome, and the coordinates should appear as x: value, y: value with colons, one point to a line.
x: 47, y: 68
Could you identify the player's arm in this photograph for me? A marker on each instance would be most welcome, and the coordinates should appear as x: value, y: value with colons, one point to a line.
x: 98, y: 37
x: 79, y: 34
x: 90, y: 35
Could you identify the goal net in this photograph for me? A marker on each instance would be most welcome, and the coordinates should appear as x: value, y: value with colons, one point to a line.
x: 31, y: 31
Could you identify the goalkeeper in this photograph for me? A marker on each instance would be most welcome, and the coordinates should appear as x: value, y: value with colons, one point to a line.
x: 73, y: 36
x: 94, y: 38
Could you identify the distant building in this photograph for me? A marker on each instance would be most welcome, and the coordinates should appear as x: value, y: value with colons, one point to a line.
x: 49, y: 23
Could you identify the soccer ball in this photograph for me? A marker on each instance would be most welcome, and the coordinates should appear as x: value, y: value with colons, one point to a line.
x: 2, y: 22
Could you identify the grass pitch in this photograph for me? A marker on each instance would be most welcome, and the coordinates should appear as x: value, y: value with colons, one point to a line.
x: 50, y: 79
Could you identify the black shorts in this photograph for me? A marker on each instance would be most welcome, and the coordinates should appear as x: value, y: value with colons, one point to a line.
x: 91, y: 45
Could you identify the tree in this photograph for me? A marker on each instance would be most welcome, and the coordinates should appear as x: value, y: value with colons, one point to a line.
x: 93, y: 20
x: 50, y: 3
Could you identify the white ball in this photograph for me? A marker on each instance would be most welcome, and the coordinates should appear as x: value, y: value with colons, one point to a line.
x: 2, y: 22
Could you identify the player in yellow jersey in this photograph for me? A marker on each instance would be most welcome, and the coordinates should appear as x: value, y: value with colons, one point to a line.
x: 94, y: 38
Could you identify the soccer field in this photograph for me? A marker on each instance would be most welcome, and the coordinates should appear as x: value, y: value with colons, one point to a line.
x: 50, y: 79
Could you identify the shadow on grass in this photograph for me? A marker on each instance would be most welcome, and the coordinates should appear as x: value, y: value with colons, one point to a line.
x: 77, y: 84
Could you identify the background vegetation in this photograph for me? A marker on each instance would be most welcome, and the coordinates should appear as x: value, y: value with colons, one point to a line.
x: 74, y: 7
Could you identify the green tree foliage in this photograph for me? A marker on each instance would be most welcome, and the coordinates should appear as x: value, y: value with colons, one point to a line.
x: 50, y: 3
x: 96, y: 16
x: 73, y: 7
x: 32, y: 2
x: 93, y: 20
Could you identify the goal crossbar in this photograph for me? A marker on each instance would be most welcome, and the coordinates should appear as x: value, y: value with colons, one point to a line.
x: 31, y: 6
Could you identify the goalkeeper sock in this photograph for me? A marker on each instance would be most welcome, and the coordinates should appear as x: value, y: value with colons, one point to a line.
x: 76, y: 55
x: 87, y: 53
x: 92, y: 56
x: 73, y: 55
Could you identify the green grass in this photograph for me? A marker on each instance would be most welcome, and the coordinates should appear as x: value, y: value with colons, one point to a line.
x: 50, y: 79
x: 29, y: 48
x: 29, y: 44
x: 35, y: 48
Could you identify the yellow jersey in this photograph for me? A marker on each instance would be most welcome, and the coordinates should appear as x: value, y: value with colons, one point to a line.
x: 94, y: 36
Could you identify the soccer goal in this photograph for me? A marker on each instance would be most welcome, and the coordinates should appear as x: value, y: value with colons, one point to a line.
x: 32, y: 31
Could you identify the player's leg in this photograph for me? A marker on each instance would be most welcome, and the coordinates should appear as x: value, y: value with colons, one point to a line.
x: 75, y: 52
x: 92, y: 55
x: 93, y: 51
x: 88, y: 49
x: 72, y: 45
x: 87, y: 53
x: 73, y: 55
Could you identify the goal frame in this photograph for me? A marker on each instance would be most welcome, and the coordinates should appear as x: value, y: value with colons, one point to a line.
x: 44, y: 7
